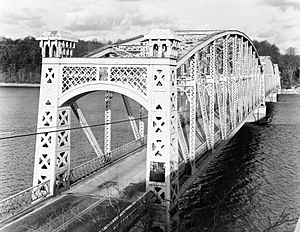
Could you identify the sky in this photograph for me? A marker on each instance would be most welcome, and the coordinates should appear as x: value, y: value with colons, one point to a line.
x: 277, y: 21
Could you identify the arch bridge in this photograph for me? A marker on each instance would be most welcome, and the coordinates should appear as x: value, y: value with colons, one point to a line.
x: 208, y: 83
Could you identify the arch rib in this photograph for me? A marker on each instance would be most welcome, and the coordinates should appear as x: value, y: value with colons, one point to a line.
x: 67, y: 98
x: 209, y: 40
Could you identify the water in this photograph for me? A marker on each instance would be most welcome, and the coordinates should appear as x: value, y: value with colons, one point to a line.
x: 254, y: 184
x: 18, y: 115
x: 251, y: 184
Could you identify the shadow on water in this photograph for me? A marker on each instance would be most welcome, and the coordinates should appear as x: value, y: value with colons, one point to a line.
x: 253, y: 184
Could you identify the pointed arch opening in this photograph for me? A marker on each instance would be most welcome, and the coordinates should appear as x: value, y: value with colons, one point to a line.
x: 47, y: 51
x: 54, y: 51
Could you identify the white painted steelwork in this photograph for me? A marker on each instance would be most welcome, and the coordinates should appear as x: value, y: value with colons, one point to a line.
x: 216, y: 76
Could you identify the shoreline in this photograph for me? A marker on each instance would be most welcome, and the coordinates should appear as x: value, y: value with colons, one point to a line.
x: 26, y: 85
x: 290, y: 91
x: 30, y: 85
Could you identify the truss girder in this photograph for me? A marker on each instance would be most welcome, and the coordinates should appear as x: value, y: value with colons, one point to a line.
x: 262, y: 88
x: 240, y: 79
x: 233, y: 85
x: 188, y: 86
x: 192, y: 99
x: 221, y: 90
x: 206, y: 100
x: 228, y: 80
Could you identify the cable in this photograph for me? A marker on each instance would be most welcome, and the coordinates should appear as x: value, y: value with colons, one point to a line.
x: 72, y: 128
x: 30, y: 129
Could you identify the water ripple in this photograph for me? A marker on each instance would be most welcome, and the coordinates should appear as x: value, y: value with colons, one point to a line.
x: 255, y: 181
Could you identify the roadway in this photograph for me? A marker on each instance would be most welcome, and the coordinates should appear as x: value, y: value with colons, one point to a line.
x: 96, y: 200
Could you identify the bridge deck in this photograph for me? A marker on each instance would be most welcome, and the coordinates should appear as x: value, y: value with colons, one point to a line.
x: 106, y: 193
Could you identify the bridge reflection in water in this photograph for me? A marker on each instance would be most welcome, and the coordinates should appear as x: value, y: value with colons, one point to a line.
x: 196, y: 88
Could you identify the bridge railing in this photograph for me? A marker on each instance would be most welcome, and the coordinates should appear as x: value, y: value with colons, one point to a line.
x: 134, y: 211
x: 84, y: 170
x: 22, y: 200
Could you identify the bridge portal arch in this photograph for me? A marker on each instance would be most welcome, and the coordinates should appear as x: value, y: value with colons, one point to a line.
x: 136, y: 117
x: 70, y: 96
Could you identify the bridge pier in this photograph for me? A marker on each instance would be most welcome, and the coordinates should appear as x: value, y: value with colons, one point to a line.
x: 272, y: 97
x: 260, y: 112
x: 257, y: 114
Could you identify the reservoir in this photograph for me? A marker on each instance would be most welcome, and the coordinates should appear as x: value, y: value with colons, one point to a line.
x: 252, y: 185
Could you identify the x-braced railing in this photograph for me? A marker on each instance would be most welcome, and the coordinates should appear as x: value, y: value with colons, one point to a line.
x: 84, y: 170
x: 22, y: 200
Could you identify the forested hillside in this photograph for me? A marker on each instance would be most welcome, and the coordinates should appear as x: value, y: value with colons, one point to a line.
x: 289, y: 63
x: 20, y: 59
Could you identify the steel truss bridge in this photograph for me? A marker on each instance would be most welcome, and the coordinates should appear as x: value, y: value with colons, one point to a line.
x: 208, y: 83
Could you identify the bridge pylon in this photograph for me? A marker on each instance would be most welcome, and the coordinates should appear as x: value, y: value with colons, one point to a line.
x: 162, y: 150
x: 52, y: 154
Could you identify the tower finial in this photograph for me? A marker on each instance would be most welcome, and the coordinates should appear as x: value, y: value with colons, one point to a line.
x: 161, y: 43
x: 57, y: 44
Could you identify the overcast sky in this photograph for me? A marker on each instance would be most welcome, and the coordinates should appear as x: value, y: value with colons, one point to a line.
x: 277, y: 21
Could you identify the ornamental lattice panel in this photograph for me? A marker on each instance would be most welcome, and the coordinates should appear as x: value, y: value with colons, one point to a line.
x: 73, y: 76
x: 133, y: 76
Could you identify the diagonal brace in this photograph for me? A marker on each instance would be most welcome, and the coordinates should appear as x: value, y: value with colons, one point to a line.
x: 88, y: 132
x: 182, y: 143
x: 131, y: 118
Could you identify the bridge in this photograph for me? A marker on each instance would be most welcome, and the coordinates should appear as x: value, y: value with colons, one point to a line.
x: 195, y: 89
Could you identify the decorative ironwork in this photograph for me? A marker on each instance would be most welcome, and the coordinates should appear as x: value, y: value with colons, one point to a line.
x: 22, y: 200
x: 133, y: 76
x: 86, y: 169
x: 73, y: 76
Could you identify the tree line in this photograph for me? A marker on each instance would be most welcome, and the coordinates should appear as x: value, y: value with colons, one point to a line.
x: 288, y: 63
x: 20, y: 59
